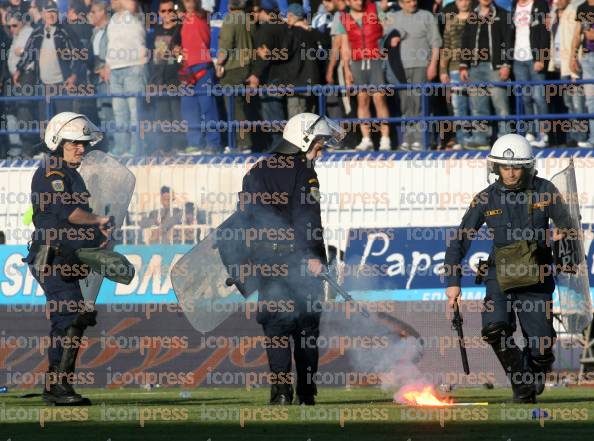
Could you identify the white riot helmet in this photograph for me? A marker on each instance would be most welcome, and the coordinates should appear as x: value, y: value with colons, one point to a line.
x: 510, y: 150
x: 70, y: 126
x: 303, y: 129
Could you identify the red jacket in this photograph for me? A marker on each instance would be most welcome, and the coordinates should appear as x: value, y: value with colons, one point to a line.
x: 364, y: 40
x: 195, y: 40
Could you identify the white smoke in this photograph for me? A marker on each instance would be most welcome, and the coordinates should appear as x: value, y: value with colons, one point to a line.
x: 395, y: 361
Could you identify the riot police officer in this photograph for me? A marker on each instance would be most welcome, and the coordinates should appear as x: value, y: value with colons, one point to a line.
x: 280, y: 201
x: 516, y: 208
x: 64, y: 223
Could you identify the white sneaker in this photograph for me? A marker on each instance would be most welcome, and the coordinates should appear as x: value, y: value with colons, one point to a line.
x: 542, y: 142
x: 385, y: 144
x: 365, y: 145
x: 404, y: 146
x: 457, y: 147
x: 530, y: 137
x: 417, y: 147
x: 585, y: 144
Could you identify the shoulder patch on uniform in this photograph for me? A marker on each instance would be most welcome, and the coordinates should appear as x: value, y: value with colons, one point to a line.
x: 54, y: 173
x: 315, y: 192
x: 58, y: 185
x: 496, y: 212
x: 312, y: 181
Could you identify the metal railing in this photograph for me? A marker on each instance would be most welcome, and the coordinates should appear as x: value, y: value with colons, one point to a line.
x: 516, y: 89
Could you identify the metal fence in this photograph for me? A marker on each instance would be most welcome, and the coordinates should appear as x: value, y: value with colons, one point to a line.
x: 516, y: 89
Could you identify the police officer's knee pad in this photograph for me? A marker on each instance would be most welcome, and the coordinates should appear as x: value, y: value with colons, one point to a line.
x: 496, y: 333
x: 542, y: 362
x: 85, y: 319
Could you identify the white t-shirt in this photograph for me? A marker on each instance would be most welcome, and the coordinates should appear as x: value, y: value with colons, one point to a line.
x: 49, y: 64
x: 522, y: 50
x: 126, y: 38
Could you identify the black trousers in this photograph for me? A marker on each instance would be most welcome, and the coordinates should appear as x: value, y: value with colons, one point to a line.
x: 289, y: 308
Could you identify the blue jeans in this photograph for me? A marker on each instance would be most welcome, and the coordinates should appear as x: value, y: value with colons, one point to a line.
x: 533, y: 97
x: 272, y: 108
x: 575, y: 103
x: 588, y: 74
x: 127, y: 112
x: 461, y: 107
x: 202, y: 113
x: 479, y: 100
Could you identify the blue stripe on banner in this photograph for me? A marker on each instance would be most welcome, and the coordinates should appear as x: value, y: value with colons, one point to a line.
x: 152, y: 284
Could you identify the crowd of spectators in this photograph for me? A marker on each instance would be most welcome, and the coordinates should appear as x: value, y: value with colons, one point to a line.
x: 163, y: 50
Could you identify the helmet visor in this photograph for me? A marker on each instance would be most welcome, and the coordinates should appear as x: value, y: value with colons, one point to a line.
x: 330, y: 132
x: 81, y: 130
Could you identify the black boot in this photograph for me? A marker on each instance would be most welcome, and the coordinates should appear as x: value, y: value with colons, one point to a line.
x: 499, y: 336
x: 61, y: 391
x: 306, y: 393
x: 51, y: 377
x: 540, y: 365
x: 281, y: 394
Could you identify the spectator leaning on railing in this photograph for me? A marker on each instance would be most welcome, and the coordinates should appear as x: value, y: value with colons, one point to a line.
x: 198, y: 104
x: 303, y: 62
x: 563, y: 27
x: 485, y: 57
x: 169, y: 133
x: 54, y: 58
x: 334, y: 75
x: 25, y: 110
x: 322, y: 22
x: 127, y: 73
x: 271, y: 40
x: 584, y: 38
x: 234, y: 61
x: 531, y: 47
x: 97, y: 49
x: 419, y: 51
x: 449, y: 67
x: 4, y: 139
x: 361, y: 51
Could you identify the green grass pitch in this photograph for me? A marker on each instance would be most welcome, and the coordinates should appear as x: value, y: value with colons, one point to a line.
x: 341, y: 414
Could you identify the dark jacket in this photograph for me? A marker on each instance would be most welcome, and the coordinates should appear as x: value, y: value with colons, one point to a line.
x: 57, y: 189
x: 280, y: 198
x: 71, y: 55
x: 276, y: 38
x: 5, y: 42
x: 303, y: 63
x: 500, y: 42
x: 505, y: 210
x: 394, y: 58
x: 540, y: 38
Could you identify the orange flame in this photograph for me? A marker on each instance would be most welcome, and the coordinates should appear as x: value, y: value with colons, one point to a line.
x: 421, y: 395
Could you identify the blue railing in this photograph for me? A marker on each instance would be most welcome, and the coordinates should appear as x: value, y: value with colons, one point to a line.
x: 230, y: 125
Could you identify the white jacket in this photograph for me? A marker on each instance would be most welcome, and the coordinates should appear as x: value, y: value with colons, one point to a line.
x: 566, y: 28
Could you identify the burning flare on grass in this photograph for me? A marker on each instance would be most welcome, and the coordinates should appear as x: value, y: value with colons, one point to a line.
x: 420, y: 395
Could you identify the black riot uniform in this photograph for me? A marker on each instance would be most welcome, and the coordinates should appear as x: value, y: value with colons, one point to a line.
x: 280, y: 206
x: 512, y: 215
x: 57, y: 190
